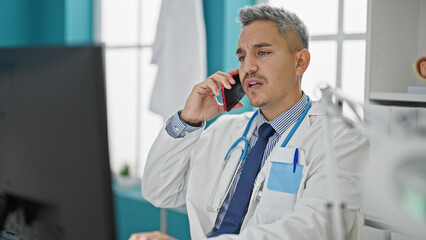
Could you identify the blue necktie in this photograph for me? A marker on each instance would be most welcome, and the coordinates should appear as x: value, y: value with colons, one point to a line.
x: 238, y: 207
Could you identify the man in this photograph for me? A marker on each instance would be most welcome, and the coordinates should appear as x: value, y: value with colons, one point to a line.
x: 280, y: 190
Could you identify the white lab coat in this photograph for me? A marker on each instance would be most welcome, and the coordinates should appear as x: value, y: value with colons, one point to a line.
x: 183, y: 171
x: 180, y: 52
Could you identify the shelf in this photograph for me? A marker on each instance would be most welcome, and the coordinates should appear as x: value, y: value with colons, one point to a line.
x: 403, y: 97
x: 396, y: 38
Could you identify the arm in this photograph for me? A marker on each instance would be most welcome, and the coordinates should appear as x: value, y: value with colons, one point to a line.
x: 165, y: 175
x: 166, y: 171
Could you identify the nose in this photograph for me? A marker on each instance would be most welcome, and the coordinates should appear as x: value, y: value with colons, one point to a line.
x: 250, y: 65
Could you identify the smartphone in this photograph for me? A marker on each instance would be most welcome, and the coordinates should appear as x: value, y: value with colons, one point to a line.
x: 232, y: 96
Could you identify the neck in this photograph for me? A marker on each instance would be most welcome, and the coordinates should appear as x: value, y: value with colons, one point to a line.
x: 271, y: 112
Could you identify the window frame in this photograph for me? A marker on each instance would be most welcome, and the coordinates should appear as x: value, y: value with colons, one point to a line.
x: 97, y: 33
x: 340, y: 37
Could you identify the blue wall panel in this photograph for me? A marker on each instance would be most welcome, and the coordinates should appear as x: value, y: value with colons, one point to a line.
x: 47, y: 27
x: 79, y: 21
x: 133, y: 214
x: 45, y: 22
x: 214, y: 20
x: 15, y: 21
x: 178, y: 224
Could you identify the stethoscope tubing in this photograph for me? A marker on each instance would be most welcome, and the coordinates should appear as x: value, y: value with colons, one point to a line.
x: 244, y: 139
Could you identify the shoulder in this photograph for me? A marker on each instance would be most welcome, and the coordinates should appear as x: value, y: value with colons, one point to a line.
x: 314, y: 124
x: 338, y: 127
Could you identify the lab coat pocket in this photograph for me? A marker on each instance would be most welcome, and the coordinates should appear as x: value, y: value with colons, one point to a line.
x: 281, y: 187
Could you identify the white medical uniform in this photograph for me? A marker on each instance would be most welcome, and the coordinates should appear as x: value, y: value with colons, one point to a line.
x: 183, y: 171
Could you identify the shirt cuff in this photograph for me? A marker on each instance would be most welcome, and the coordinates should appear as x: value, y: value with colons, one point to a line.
x: 176, y: 128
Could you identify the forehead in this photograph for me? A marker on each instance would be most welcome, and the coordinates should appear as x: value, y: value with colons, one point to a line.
x: 260, y: 31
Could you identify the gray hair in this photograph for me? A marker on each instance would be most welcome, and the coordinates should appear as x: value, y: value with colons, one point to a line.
x: 288, y: 23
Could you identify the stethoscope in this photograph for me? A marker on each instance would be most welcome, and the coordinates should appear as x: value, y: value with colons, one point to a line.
x: 243, y: 139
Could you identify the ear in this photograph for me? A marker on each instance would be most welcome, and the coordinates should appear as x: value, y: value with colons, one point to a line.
x: 303, y: 59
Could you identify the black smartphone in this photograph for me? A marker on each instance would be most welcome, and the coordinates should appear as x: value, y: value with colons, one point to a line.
x: 232, y: 96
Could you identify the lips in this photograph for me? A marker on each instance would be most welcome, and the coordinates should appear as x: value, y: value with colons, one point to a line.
x: 253, y: 84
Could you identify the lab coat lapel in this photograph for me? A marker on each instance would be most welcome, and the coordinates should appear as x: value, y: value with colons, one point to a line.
x: 304, y: 126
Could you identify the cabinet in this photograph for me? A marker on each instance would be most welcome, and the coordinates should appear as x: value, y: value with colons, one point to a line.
x: 396, y: 38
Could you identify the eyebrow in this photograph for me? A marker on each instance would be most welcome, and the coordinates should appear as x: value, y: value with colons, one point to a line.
x: 257, y: 45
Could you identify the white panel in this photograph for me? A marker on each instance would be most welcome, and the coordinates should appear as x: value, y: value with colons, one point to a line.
x: 379, y: 124
x: 355, y: 16
x: 149, y: 17
x: 378, y: 119
x: 403, y: 121
x: 322, y: 68
x: 353, y: 69
x: 397, y: 236
x: 370, y: 233
x: 150, y: 122
x: 121, y: 69
x: 421, y: 39
x: 422, y: 28
x: 119, y: 22
x: 403, y: 97
x: 421, y: 122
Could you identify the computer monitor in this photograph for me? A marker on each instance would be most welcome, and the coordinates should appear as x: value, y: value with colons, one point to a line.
x: 55, y: 180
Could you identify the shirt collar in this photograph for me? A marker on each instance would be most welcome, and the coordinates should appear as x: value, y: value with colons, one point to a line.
x: 287, y: 118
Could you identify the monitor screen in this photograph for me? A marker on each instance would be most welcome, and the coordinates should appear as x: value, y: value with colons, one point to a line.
x: 55, y: 180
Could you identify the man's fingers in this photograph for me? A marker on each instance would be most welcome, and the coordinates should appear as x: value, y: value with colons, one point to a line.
x: 227, y: 79
x: 213, y: 86
x: 233, y: 72
x: 204, y: 90
x: 221, y: 80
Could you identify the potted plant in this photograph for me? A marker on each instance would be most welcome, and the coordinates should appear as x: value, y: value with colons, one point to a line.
x: 125, y: 179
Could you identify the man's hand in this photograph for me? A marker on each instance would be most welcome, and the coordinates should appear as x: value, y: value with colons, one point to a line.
x: 151, y: 236
x: 202, y: 104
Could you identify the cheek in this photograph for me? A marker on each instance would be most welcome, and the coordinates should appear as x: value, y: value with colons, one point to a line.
x: 282, y: 64
x: 281, y: 71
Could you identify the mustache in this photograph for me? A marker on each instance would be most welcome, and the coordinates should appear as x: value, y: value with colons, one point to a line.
x: 254, y: 75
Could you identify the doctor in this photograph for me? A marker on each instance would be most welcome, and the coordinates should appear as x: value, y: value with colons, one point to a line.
x: 278, y: 189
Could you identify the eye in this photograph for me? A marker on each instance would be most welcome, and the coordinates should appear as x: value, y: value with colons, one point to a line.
x: 241, y: 58
x: 263, y: 53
